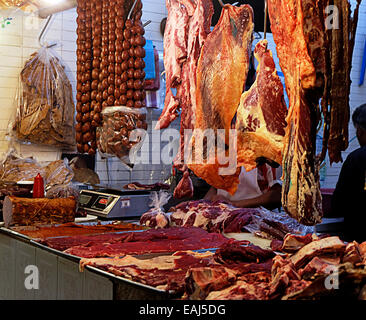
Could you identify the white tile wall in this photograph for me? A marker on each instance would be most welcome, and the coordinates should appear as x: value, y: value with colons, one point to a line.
x: 19, y: 39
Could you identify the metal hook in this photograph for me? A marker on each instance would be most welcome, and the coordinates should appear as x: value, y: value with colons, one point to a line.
x: 43, y: 31
x: 221, y: 3
x: 133, y: 7
x: 146, y: 23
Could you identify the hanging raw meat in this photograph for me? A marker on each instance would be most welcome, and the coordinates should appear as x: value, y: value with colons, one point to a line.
x: 198, y: 30
x: 221, y: 76
x: 341, y: 41
x: 223, y: 68
x: 261, y: 115
x: 301, y: 196
x: 184, y: 187
x: 175, y: 54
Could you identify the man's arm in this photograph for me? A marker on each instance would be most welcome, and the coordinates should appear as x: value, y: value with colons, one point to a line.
x: 270, y: 200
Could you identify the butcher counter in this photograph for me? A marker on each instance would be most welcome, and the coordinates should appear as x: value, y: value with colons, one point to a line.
x: 59, y: 275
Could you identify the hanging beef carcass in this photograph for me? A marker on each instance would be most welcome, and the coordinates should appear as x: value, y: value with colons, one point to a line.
x: 221, y: 76
x: 197, y: 23
x: 175, y: 55
x: 301, y: 196
x: 261, y: 115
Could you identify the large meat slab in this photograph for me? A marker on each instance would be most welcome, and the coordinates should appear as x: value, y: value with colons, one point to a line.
x: 301, y: 196
x: 261, y: 115
x: 150, y: 241
x: 221, y: 76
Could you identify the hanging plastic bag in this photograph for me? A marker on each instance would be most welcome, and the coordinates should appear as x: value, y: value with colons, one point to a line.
x: 122, y: 134
x: 156, y: 217
x: 44, y: 101
x: 15, y: 168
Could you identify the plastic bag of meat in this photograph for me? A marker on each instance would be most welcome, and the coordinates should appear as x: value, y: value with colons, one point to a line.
x: 275, y: 225
x: 44, y: 103
x: 156, y: 217
x: 62, y: 191
x: 122, y: 134
x: 15, y: 168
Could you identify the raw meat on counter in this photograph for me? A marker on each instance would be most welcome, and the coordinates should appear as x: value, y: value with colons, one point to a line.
x: 283, y: 280
x: 73, y: 229
x: 149, y: 241
x: 155, y: 218
x: 213, y: 217
x: 236, y: 271
x: 166, y: 272
x: 222, y: 217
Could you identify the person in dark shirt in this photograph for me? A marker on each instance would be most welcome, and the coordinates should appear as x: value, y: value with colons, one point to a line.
x: 349, y: 197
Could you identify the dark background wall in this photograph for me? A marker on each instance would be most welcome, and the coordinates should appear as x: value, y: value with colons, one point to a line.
x: 258, y: 8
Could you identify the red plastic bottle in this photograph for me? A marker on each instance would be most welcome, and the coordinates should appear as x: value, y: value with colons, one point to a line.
x: 38, y: 187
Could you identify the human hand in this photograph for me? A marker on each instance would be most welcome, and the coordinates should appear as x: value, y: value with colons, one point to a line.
x: 261, y: 161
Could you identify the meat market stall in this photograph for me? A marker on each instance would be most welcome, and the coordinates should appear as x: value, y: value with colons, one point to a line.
x: 117, y: 242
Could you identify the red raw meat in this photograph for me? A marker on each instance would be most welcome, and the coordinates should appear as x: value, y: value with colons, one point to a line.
x: 213, y: 217
x: 224, y: 59
x: 261, y: 117
x: 198, y: 30
x: 327, y: 245
x: 163, y: 272
x: 301, y: 197
x: 154, y: 218
x: 232, y: 253
x: 175, y: 54
x: 184, y: 188
x: 150, y: 241
x: 293, y: 243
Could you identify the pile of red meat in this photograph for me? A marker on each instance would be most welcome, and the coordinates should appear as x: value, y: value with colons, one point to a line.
x: 192, y: 263
x: 235, y: 271
x: 224, y: 218
x: 145, y: 242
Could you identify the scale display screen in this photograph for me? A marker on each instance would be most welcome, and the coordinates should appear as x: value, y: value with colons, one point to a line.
x: 102, y: 202
x: 84, y: 199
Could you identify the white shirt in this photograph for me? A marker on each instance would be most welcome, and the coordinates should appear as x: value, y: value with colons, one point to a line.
x: 249, y: 188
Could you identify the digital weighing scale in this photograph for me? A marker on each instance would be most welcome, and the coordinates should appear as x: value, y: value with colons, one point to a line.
x: 115, y: 204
